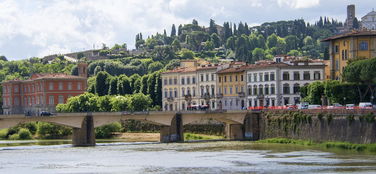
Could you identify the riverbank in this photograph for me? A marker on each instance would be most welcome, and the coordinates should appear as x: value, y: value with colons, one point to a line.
x: 327, y: 145
x: 151, y: 137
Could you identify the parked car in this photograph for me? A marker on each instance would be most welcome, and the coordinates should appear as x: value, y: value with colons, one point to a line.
x: 303, y: 105
x: 45, y: 113
x: 365, y: 105
x: 291, y: 106
x: 314, y: 106
x: 350, y: 106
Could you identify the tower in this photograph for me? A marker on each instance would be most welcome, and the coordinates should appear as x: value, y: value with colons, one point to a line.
x: 350, y: 16
x: 82, y: 69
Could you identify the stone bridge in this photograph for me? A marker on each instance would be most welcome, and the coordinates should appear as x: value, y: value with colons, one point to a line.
x: 240, y: 125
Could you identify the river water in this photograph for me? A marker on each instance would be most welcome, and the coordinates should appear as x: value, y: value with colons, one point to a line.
x: 195, y: 157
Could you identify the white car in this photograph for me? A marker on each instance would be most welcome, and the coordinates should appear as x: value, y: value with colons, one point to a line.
x: 365, y: 105
x: 314, y: 106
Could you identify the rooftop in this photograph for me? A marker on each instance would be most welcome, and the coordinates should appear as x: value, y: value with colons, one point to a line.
x: 353, y: 33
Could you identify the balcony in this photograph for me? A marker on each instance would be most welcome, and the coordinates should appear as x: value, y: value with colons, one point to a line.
x: 206, y: 96
x: 220, y: 95
x: 170, y: 99
x: 260, y: 96
x: 241, y: 94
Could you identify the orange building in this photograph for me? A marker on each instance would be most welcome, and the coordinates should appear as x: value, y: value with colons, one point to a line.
x: 42, y: 92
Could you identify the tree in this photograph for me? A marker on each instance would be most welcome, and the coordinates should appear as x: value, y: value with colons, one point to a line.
x: 242, y: 48
x: 212, y: 27
x: 113, y: 89
x: 258, y: 54
x: 104, y: 103
x: 155, y: 66
x: 3, y: 58
x: 216, y: 40
x: 208, y: 46
x: 272, y: 41
x: 124, y: 85
x: 173, y: 31
x: 140, y: 102
x: 186, y: 54
x: 176, y: 45
x: 102, y: 83
x: 292, y: 42
x: 120, y: 103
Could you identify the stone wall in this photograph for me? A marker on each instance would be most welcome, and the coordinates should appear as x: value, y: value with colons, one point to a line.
x: 319, y: 126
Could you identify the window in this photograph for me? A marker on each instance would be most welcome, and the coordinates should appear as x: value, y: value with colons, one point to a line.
x: 193, y: 91
x: 212, y: 77
x: 16, y: 89
x: 182, y: 92
x: 170, y: 81
x: 175, y: 81
x: 241, y: 78
x: 261, y: 90
x: 60, y: 85
x: 212, y: 90
x: 165, y: 81
x: 79, y: 86
x: 286, y: 89
x: 296, y: 88
x: 236, y: 78
x: 51, y: 100
x: 255, y: 77
x: 51, y: 86
x: 317, y: 75
x: 254, y: 90
x: 272, y: 89
x: 41, y: 100
x: 272, y: 77
x: 201, y: 77
x: 266, y: 76
x: 249, y: 78
x: 220, y: 79
x: 343, y: 55
x: 230, y: 90
x: 230, y: 78
x: 286, y: 76
x: 182, y: 81
x: 236, y: 89
x: 296, y: 75
x: 175, y: 93
x: 188, y: 91
x: 307, y: 75
x: 193, y: 80
x: 225, y: 90
x: 207, y: 77
x: 267, y: 89
x: 170, y: 92
x: 70, y: 86
x: 363, y: 46
x: 188, y: 80
x: 260, y: 77
x: 61, y: 99
x: 249, y: 90
x: 165, y: 93
x: 336, y: 49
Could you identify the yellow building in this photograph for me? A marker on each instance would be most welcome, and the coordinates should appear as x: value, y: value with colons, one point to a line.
x: 231, y: 86
x: 355, y: 44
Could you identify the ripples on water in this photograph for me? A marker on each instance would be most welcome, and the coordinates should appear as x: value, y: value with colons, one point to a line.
x: 208, y: 157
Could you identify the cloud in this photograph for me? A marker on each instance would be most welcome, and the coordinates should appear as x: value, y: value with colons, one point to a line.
x: 297, y: 4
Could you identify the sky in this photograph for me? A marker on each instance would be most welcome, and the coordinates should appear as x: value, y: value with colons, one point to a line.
x: 39, y: 28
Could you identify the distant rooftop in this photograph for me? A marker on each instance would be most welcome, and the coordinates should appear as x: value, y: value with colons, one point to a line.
x: 353, y: 33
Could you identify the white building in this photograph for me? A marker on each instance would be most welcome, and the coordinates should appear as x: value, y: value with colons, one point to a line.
x: 207, y: 85
x: 369, y: 21
x: 277, y: 83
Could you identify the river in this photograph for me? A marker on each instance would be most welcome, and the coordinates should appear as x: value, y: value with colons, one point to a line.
x: 195, y: 157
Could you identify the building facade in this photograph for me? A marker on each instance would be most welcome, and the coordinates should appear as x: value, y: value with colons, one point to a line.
x: 207, y: 85
x: 277, y: 83
x: 231, y: 87
x: 42, y: 92
x: 369, y: 21
x: 355, y: 44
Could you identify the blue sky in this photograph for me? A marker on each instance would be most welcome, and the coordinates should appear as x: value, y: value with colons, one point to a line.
x: 40, y: 27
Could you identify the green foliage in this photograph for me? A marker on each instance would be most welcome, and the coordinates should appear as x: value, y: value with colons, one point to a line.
x: 51, y: 131
x: 3, y: 133
x: 107, y: 131
x: 140, y: 102
x: 14, y: 137
x: 24, y: 134
x: 155, y: 66
x: 186, y: 54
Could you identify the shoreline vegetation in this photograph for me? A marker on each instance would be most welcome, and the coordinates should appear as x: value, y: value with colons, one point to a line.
x: 325, y: 145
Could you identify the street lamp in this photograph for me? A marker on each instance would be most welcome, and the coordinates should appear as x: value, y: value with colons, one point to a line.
x: 372, y: 97
x: 344, y: 101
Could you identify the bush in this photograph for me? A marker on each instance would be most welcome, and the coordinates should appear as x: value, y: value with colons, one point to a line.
x: 106, y: 131
x: 3, y: 133
x: 14, y: 137
x: 24, y: 134
x: 50, y: 131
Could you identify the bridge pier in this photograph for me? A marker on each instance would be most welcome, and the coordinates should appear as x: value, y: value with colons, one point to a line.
x: 84, y: 136
x: 252, y: 126
x: 173, y: 133
x: 234, y: 131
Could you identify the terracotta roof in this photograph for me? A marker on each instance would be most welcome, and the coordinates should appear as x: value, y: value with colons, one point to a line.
x: 354, y: 33
x: 209, y: 66
x: 234, y: 69
x: 181, y: 70
x: 53, y: 76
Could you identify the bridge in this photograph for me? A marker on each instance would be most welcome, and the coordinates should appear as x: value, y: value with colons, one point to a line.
x: 239, y: 125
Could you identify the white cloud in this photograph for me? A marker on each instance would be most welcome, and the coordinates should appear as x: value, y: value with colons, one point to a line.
x: 298, y: 3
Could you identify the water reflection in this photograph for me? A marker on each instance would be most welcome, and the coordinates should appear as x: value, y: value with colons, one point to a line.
x: 208, y: 157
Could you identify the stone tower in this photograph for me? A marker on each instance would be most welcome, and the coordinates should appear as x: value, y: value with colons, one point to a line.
x: 82, y: 69
x: 350, y: 16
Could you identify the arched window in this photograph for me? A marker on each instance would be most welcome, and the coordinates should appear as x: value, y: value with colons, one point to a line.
x: 170, y: 92
x: 261, y: 90
x: 175, y: 93
x: 249, y: 90
x: 165, y: 93
x: 212, y: 90
x: 254, y: 89
x: 272, y: 89
x: 193, y: 91
x: 286, y: 76
x: 266, y: 89
x: 188, y: 91
x: 182, y: 92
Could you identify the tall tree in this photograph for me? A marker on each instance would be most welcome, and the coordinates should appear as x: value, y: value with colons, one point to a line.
x: 173, y: 31
x: 212, y: 27
x: 102, y: 83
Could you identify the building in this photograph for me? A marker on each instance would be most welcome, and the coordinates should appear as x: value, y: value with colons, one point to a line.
x: 350, y: 45
x: 192, y: 84
x: 42, y: 92
x: 369, y: 21
x: 231, y: 86
x: 277, y: 83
